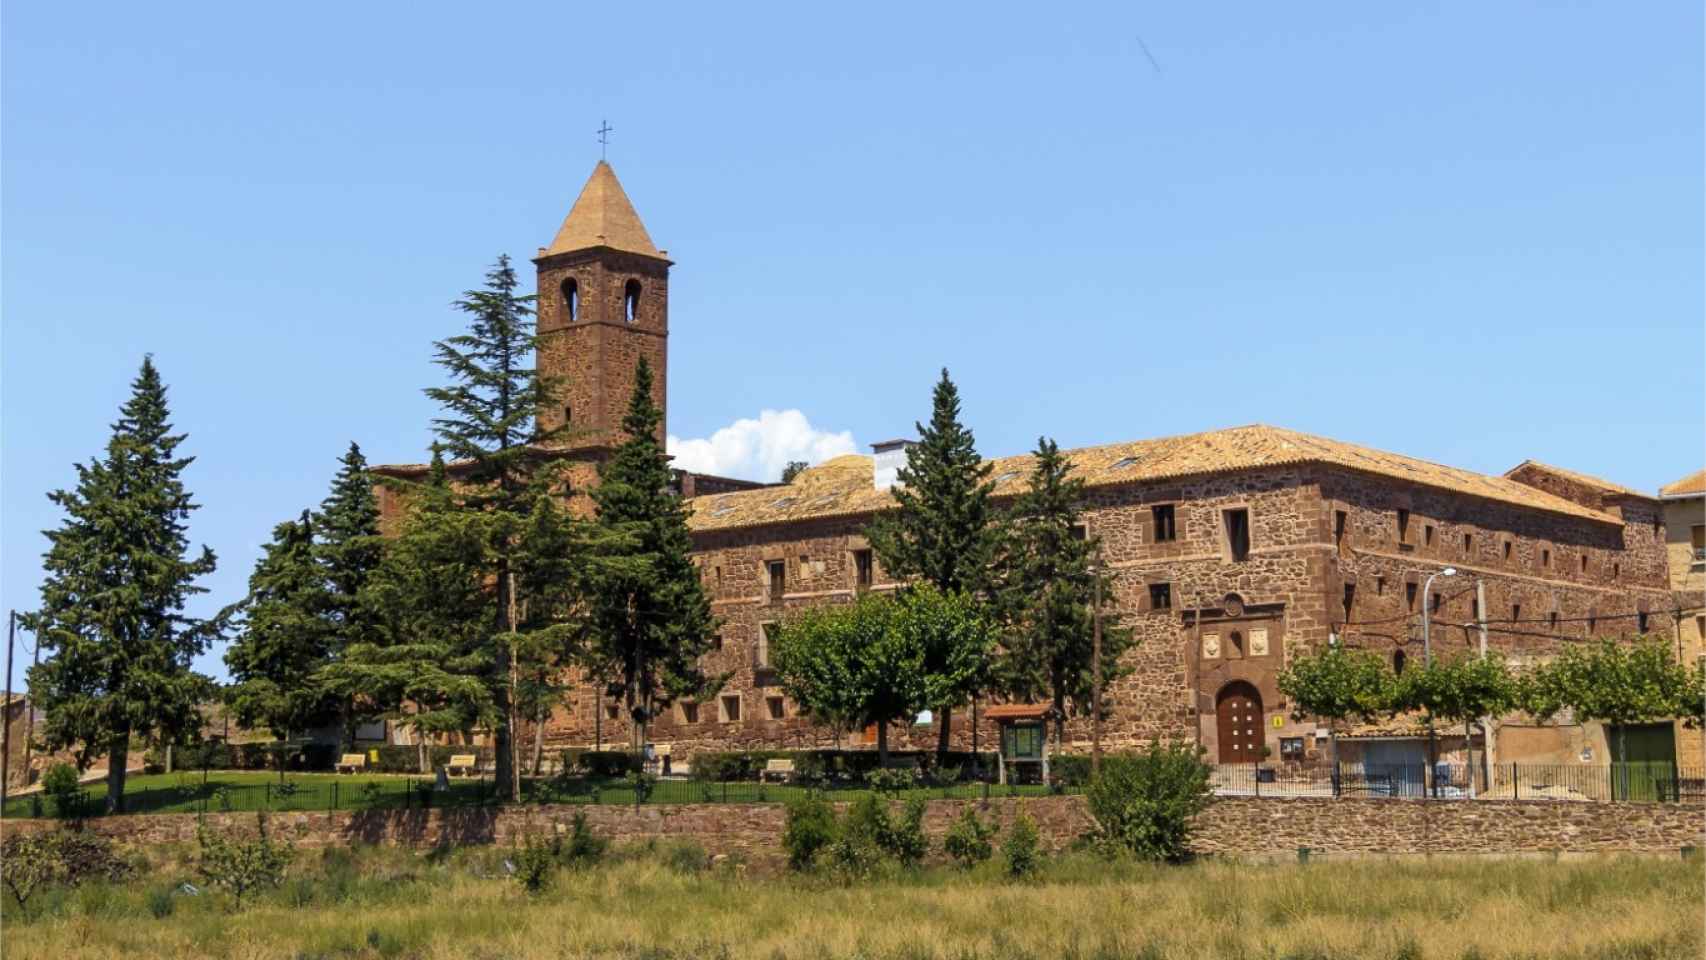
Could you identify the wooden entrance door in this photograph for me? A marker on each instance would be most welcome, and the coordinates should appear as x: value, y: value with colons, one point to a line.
x: 1238, y: 714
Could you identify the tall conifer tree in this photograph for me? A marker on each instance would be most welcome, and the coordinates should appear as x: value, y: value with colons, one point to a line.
x: 488, y: 422
x: 650, y: 619
x: 1047, y: 575
x: 286, y: 635
x: 944, y: 529
x: 118, y: 647
x: 349, y: 548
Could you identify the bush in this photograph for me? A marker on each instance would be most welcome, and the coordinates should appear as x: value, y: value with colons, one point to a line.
x: 686, y: 856
x: 60, y: 783
x: 1020, y: 849
x: 818, y: 766
x: 810, y: 828
x: 242, y: 866
x: 31, y: 861
x: 967, y: 840
x: 859, y: 843
x: 535, y: 863
x: 584, y: 847
x: 1069, y: 769
x: 892, y: 780
x: 905, y: 840
x: 1143, y: 803
x: 602, y: 763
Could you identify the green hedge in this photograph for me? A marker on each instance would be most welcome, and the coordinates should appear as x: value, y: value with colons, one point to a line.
x: 315, y: 756
x: 843, y: 765
x: 601, y: 763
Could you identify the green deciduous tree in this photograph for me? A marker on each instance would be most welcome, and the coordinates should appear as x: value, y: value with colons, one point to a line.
x: 1144, y: 803
x: 1337, y: 685
x: 943, y: 531
x: 852, y: 665
x: 1047, y: 577
x: 648, y: 617
x: 1613, y: 683
x: 117, y: 645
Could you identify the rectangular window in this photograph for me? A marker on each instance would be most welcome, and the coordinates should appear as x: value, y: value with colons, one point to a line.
x: 778, y: 580
x: 776, y: 707
x: 1474, y: 606
x: 1238, y: 534
x: 730, y: 704
x: 1435, y: 600
x: 1165, y: 520
x: 1507, y: 551
x: 1546, y: 559
x: 689, y: 712
x: 1584, y: 559
x: 761, y: 652
x: 612, y: 711
x: 1468, y: 544
x: 1552, y: 620
x: 1640, y: 623
x: 1516, y: 613
x: 1403, y: 525
x: 1080, y: 532
x: 1350, y: 598
x: 719, y: 575
x: 1428, y: 535
x: 1339, y: 518
x: 1697, y: 542
x: 862, y: 569
x: 1160, y: 596
x: 1380, y: 586
x: 717, y: 641
x: 1410, y: 596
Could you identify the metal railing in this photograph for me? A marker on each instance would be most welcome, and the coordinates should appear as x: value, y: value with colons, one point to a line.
x: 1656, y: 782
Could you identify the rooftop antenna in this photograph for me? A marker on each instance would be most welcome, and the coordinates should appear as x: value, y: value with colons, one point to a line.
x: 604, y: 131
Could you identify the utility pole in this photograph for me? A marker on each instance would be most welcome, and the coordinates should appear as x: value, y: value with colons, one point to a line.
x: 6, y: 734
x: 1096, y: 673
x: 30, y: 711
x: 1487, y: 758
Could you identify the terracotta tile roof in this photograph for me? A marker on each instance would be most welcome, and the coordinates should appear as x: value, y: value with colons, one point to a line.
x: 1581, y: 478
x: 843, y: 486
x: 602, y: 217
x: 1694, y: 483
x: 1018, y: 711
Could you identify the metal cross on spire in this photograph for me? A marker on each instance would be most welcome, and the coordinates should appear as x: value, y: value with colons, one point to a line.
x: 604, y: 131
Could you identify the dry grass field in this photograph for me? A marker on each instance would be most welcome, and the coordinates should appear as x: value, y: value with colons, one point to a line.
x: 666, y: 903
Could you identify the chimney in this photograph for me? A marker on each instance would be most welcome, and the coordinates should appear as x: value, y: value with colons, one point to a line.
x: 889, y: 457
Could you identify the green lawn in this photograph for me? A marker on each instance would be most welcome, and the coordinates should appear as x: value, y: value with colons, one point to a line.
x: 255, y: 790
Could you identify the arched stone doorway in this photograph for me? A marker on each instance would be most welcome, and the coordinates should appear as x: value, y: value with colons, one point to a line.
x: 1238, y: 716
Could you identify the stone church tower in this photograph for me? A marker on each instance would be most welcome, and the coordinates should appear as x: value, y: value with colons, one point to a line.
x: 603, y: 304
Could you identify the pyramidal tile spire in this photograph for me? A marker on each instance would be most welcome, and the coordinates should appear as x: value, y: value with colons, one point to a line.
x: 603, y: 217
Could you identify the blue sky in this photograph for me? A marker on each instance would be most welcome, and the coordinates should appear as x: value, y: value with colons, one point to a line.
x: 1466, y: 232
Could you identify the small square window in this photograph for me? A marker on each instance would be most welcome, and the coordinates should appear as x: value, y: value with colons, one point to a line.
x: 1160, y: 596
x: 776, y: 706
x: 689, y: 712
x: 1165, y: 523
x: 730, y: 704
x: 612, y: 711
x: 1080, y: 532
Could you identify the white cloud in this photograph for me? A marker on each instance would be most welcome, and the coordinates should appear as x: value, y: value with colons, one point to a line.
x: 759, y: 449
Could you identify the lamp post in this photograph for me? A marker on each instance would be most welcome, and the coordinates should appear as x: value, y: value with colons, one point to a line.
x: 1427, y: 659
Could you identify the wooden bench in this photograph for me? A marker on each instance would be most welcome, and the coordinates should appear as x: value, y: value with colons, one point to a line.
x: 465, y: 762
x: 351, y: 762
x: 779, y: 769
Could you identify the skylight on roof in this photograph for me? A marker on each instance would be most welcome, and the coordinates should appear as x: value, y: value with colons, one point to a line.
x: 1009, y: 475
x: 784, y: 502
x: 1123, y: 463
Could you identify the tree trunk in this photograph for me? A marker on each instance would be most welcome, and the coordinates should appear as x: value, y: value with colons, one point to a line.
x: 539, y: 740
x: 943, y: 735
x: 503, y: 772
x: 117, y: 756
x: 882, y: 743
x: 1059, y: 719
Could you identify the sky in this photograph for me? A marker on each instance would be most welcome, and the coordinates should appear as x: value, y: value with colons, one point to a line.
x: 1466, y: 232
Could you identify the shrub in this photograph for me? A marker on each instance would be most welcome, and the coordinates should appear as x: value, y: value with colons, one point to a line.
x: 858, y: 847
x: 29, y: 862
x: 1069, y: 769
x: 893, y: 780
x: 967, y: 839
x: 686, y: 856
x: 602, y: 763
x: 242, y: 866
x: 1143, y: 803
x: 810, y: 828
x: 1020, y: 848
x: 905, y: 840
x: 535, y: 863
x: 642, y: 784
x: 584, y: 847
x: 60, y: 783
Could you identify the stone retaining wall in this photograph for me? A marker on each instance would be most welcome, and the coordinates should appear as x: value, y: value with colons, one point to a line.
x: 1240, y: 826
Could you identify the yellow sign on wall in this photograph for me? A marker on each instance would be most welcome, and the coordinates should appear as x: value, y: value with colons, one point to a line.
x: 1279, y: 722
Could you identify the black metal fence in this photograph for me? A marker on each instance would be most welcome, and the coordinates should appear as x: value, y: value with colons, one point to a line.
x: 1612, y: 783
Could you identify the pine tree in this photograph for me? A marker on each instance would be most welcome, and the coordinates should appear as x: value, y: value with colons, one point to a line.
x: 286, y: 635
x: 944, y: 530
x: 349, y: 549
x: 488, y: 423
x: 650, y: 618
x: 1047, y: 577
x: 118, y: 647
x: 428, y: 662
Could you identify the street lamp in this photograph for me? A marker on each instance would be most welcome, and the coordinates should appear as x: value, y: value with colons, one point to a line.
x: 1427, y: 614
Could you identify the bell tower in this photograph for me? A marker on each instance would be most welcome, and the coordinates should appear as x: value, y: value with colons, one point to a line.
x: 603, y: 303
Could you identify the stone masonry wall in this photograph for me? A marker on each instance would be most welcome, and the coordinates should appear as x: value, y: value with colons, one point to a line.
x: 1233, y: 826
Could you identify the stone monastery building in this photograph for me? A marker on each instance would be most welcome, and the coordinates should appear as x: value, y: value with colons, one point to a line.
x: 1232, y: 550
